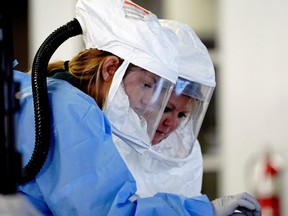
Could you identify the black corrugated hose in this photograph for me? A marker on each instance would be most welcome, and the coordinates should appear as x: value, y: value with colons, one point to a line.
x: 40, y: 97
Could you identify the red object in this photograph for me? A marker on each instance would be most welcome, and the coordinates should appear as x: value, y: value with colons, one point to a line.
x: 270, y: 206
x: 269, y: 197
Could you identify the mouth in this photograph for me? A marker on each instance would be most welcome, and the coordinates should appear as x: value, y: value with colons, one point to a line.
x: 160, y: 133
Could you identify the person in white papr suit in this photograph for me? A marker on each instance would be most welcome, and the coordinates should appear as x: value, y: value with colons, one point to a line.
x: 173, y: 163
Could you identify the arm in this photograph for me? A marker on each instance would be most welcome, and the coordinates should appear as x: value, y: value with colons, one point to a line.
x: 84, y: 173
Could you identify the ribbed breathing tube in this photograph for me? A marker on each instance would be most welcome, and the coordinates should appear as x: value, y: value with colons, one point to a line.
x: 40, y: 97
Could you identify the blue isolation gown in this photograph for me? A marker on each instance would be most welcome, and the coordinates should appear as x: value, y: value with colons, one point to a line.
x: 84, y: 173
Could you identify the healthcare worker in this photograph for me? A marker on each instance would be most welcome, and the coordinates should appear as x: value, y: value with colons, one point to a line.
x: 84, y: 174
x: 173, y: 163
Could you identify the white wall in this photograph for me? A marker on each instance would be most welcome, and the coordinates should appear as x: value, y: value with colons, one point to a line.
x: 253, y: 40
x: 45, y: 16
x: 200, y: 14
x: 252, y: 83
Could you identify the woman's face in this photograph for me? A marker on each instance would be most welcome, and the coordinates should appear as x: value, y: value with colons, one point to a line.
x: 177, y: 109
x: 139, y: 85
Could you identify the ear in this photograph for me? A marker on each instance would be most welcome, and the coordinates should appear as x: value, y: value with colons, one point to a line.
x: 110, y: 65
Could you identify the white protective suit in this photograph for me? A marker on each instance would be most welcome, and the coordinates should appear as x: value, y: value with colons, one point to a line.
x: 175, y: 165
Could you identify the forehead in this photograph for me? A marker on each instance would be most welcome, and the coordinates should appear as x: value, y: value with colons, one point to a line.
x: 137, y: 73
x: 180, y: 101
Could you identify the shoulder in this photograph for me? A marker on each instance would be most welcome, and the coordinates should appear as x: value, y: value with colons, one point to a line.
x: 66, y: 101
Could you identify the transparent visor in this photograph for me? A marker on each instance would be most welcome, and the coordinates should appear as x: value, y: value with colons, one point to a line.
x: 182, y: 118
x: 138, y: 105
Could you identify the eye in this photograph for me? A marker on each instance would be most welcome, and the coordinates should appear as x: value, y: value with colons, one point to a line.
x: 147, y: 85
x: 148, y: 82
x: 167, y: 109
x: 182, y: 115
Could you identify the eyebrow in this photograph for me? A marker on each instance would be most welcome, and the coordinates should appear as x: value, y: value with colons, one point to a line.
x: 152, y: 76
x: 172, y: 106
x: 149, y: 73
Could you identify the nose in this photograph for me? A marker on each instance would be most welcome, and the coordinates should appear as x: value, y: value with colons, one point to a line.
x: 171, y: 121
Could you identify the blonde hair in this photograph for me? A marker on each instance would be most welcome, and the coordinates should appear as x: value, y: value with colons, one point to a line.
x: 85, y: 67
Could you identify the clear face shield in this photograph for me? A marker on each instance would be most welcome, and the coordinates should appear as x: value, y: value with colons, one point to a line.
x: 135, y: 35
x: 148, y: 94
x: 182, y: 118
x: 137, y: 105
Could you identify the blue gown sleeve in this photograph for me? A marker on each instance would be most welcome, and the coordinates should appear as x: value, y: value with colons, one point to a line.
x: 84, y: 174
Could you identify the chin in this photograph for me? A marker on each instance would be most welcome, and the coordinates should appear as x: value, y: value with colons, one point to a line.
x: 156, y: 140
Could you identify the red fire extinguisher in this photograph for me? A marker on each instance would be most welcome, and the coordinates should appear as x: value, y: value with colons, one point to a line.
x: 267, y: 183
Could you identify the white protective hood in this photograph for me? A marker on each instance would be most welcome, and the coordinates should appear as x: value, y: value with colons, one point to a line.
x: 195, y: 62
x: 195, y: 66
x: 135, y: 35
x: 130, y: 32
x: 175, y: 165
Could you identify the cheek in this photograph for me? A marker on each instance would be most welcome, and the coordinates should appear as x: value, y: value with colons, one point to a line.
x: 133, y: 96
x: 161, y: 121
x: 129, y: 90
x: 133, y: 90
x: 175, y: 124
x: 178, y: 122
x: 133, y: 100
